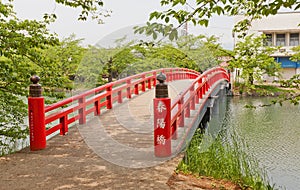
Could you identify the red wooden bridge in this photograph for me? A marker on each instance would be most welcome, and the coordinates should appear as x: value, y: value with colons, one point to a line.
x: 116, y: 134
x: 120, y: 136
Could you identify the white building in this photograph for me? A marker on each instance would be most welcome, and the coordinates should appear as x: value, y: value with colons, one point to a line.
x: 281, y: 30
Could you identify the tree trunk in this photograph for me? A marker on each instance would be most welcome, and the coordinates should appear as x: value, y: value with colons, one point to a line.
x: 251, y: 79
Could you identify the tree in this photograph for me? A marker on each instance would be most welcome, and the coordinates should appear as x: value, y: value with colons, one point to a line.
x: 28, y: 48
x: 64, y: 59
x: 167, y: 55
x: 99, y: 63
x: 296, y: 56
x: 254, y: 59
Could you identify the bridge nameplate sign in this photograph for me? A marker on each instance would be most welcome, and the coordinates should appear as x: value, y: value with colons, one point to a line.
x: 162, y: 129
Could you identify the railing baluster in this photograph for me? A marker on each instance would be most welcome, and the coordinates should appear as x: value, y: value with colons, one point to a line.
x: 180, y: 106
x: 174, y: 130
x: 149, y: 83
x: 64, y: 125
x: 128, y: 89
x: 154, y: 78
x: 193, y: 98
x: 143, y: 83
x: 136, y: 89
x: 97, y: 108
x: 109, y: 100
x: 81, y: 111
x: 120, y: 98
x: 188, y: 110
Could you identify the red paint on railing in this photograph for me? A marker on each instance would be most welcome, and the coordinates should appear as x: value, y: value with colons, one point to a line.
x: 75, y: 108
x: 36, y: 116
x: 187, y: 100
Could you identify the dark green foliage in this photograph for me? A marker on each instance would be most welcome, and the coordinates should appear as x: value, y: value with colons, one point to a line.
x: 101, y: 65
x: 28, y: 48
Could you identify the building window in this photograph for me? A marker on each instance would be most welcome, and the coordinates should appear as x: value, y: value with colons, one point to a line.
x: 268, y: 40
x: 294, y: 39
x: 280, y: 39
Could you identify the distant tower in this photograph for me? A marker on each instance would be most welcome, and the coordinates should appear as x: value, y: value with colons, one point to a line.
x: 185, y: 26
x: 186, y: 29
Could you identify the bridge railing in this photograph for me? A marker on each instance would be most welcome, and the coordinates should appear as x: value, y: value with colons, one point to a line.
x: 45, y: 120
x: 181, y: 107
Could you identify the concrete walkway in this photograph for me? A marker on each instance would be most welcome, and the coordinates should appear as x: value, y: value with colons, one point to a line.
x: 112, y: 151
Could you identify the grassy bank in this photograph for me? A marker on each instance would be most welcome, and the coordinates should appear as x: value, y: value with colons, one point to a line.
x: 225, y: 158
x: 260, y: 90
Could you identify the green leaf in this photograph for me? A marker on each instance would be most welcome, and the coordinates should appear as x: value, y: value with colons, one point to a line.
x: 167, y: 19
x: 203, y: 22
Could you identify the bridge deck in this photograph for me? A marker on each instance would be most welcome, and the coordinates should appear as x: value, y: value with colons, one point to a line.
x: 83, y: 159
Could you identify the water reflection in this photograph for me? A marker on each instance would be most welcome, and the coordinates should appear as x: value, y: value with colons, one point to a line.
x: 273, y: 136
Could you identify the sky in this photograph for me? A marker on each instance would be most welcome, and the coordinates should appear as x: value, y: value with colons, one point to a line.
x: 125, y: 13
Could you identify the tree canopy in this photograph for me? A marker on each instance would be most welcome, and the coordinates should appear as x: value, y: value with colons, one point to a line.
x: 254, y: 59
x: 27, y: 48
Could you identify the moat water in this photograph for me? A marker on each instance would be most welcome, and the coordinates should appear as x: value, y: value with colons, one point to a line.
x: 272, y: 133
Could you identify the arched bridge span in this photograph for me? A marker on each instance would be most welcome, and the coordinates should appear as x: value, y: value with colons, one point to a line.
x: 172, y: 120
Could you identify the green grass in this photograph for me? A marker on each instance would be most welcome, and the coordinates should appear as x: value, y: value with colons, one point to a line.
x: 225, y: 158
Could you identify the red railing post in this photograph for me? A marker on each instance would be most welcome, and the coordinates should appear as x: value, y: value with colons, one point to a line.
x: 109, y: 97
x: 162, y: 119
x: 143, y: 83
x: 81, y: 111
x: 174, y: 132
x: 136, y: 89
x: 120, y: 99
x: 171, y: 75
x: 64, y: 125
x: 36, y: 116
x: 207, y: 84
x: 188, y: 110
x: 97, y: 108
x: 200, y: 93
x: 154, y: 78
x: 193, y: 99
x: 128, y: 89
x: 181, y: 117
x: 149, y: 83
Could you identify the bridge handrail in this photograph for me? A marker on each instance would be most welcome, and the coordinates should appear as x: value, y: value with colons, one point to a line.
x: 202, y: 83
x: 103, y: 87
x: 186, y: 100
x: 59, y: 115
